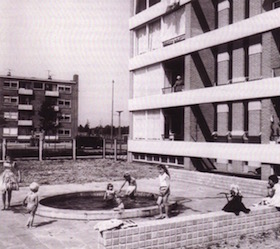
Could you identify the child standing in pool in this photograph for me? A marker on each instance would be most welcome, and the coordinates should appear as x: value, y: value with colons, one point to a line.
x: 110, y: 194
x: 164, y: 191
x: 132, y: 185
x: 31, y: 202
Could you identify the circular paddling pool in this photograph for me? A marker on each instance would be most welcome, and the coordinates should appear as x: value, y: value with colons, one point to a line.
x: 90, y: 205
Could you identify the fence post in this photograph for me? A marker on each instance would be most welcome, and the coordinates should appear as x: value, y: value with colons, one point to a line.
x: 74, y: 149
x: 104, y: 148
x: 4, y: 146
x: 40, y: 148
x: 115, y: 150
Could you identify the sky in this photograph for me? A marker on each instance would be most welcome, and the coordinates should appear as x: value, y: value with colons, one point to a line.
x: 85, y: 37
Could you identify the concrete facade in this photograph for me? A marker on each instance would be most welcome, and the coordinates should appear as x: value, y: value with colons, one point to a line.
x: 206, y: 43
x: 21, y: 99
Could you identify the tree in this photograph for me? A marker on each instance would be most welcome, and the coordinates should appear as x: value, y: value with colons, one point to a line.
x: 49, y: 118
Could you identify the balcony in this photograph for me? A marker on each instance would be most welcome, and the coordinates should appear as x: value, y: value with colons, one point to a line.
x: 25, y: 123
x: 166, y: 90
x: 51, y: 93
x: 23, y: 91
x: 24, y: 137
x: 25, y: 107
x: 51, y: 137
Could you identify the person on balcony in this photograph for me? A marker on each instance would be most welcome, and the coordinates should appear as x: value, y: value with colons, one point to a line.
x: 179, y: 83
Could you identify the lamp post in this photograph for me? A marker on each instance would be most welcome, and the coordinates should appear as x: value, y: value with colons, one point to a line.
x: 112, y: 118
x: 120, y: 134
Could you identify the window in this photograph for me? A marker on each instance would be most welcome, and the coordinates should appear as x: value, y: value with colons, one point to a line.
x: 65, y: 118
x: 174, y: 24
x: 64, y: 89
x: 50, y: 87
x: 153, y: 2
x: 9, y: 84
x: 38, y: 85
x: 10, y: 131
x: 154, y: 35
x: 8, y: 100
x: 276, y: 4
x: 140, y: 6
x: 64, y: 103
x: 64, y: 132
x: 141, y: 41
x: 11, y: 115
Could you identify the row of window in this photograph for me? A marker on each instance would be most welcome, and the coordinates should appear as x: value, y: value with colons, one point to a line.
x: 12, y: 131
x: 168, y: 29
x: 172, y: 160
x: 158, y: 33
x: 15, y: 85
x: 66, y: 118
x: 13, y: 100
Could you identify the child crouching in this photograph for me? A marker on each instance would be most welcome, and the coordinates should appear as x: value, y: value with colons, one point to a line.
x: 31, y: 202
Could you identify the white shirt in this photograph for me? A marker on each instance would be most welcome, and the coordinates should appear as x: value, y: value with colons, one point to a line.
x: 163, y: 180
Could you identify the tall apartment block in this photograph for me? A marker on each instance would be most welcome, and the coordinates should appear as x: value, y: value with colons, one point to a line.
x: 225, y: 114
x: 21, y: 99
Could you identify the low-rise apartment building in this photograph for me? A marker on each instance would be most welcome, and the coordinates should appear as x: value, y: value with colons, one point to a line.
x: 21, y: 100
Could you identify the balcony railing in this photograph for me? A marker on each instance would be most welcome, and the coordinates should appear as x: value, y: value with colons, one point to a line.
x: 24, y: 91
x: 25, y: 122
x: 173, y: 89
x: 25, y: 107
x: 51, y: 93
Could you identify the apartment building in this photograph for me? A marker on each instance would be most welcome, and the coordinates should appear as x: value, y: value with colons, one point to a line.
x: 21, y: 100
x: 225, y: 114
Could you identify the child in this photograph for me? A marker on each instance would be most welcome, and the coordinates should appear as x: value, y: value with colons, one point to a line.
x: 235, y: 204
x: 9, y: 180
x: 164, y: 191
x: 110, y: 193
x: 132, y: 185
x: 273, y: 192
x: 120, y: 207
x: 31, y: 202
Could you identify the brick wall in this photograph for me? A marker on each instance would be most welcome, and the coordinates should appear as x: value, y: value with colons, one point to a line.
x: 191, y: 231
x: 196, y: 230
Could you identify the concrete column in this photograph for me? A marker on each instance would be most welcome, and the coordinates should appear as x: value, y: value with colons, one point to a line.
x: 266, y: 171
x: 255, y: 58
x: 238, y: 62
x: 222, y: 130
x: 238, y: 10
x: 237, y: 131
x: 223, y: 13
x: 254, y: 112
x: 223, y: 65
x: 255, y: 7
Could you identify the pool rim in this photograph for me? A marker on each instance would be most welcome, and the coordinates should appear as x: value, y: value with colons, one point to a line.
x: 72, y: 214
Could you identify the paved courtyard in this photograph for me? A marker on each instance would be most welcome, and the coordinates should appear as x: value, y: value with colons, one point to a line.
x: 50, y: 233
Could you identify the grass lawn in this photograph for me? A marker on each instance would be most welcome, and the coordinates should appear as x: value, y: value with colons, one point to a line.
x: 81, y: 171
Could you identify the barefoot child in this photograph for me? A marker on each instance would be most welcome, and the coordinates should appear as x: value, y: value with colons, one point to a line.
x: 164, y: 191
x: 110, y: 195
x: 31, y: 202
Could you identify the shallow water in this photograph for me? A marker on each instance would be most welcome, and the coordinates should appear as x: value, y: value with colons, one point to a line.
x: 94, y: 201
